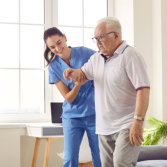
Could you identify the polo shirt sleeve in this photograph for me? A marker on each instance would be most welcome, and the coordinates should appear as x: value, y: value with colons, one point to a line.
x: 87, y: 69
x: 136, y: 71
x: 53, y: 77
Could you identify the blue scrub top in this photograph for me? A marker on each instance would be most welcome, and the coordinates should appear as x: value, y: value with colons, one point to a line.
x: 83, y: 105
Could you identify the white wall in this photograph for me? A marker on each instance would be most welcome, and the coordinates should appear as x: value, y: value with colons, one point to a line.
x: 10, y: 147
x: 164, y: 55
x: 123, y: 10
x: 143, y: 38
x: 150, y: 32
x: 157, y: 60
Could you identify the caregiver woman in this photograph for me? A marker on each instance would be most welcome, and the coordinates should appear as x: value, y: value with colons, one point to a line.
x: 78, y: 108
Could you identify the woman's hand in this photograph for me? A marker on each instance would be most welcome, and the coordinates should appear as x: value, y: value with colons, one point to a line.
x: 74, y: 74
x: 80, y: 82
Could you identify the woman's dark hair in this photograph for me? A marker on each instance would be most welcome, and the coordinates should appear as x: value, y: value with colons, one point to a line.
x: 48, y: 33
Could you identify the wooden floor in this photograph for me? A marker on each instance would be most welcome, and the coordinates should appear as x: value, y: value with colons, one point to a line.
x: 89, y: 164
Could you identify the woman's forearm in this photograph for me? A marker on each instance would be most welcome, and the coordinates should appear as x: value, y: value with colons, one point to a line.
x: 71, y: 95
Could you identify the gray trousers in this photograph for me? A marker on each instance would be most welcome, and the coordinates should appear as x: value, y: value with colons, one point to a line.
x: 117, y: 151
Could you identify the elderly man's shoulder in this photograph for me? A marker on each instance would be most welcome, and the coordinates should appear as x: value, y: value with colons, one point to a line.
x: 131, y: 52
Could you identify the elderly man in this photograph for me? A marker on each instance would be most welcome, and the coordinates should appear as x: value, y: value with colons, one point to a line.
x: 121, y: 94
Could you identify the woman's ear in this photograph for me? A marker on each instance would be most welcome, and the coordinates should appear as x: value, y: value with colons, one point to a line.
x: 64, y: 36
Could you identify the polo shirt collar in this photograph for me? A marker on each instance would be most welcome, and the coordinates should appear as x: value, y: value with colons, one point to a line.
x: 121, y: 48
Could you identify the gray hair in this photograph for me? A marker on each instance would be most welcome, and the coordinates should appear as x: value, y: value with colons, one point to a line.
x: 111, y: 22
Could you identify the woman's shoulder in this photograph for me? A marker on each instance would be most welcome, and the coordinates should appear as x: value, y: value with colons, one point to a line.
x: 83, y: 49
x: 54, y: 64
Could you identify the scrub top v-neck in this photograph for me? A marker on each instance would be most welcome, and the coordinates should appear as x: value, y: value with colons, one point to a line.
x: 83, y: 105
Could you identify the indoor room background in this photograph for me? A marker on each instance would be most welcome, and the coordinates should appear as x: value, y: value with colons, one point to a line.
x: 25, y: 94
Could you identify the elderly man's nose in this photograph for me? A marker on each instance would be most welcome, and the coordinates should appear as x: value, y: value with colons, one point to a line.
x: 98, y: 42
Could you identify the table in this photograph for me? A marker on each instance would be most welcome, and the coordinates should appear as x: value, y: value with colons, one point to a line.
x: 47, y: 132
x: 47, y: 147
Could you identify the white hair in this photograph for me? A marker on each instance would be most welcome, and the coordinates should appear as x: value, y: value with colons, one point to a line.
x: 111, y: 23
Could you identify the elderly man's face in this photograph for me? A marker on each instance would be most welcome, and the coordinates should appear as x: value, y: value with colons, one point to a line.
x: 107, y: 43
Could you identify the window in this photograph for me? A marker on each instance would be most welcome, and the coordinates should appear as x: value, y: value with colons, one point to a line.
x: 22, y: 64
x: 79, y: 25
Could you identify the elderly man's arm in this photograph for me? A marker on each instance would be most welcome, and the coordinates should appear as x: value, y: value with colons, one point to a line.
x: 136, y: 130
x: 74, y: 74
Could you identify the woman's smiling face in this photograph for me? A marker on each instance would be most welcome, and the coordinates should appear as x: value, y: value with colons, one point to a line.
x: 57, y: 44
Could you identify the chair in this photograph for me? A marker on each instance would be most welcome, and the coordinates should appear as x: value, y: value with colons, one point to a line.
x: 152, y: 156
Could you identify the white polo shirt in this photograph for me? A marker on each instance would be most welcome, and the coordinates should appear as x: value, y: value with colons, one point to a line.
x: 116, y: 82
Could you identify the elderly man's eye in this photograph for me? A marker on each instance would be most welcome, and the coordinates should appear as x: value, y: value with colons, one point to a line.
x: 100, y: 38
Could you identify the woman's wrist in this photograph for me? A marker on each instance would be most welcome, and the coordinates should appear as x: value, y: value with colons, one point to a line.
x: 77, y: 85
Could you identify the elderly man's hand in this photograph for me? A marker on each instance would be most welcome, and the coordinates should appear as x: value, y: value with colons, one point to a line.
x: 136, y: 133
x: 74, y: 74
